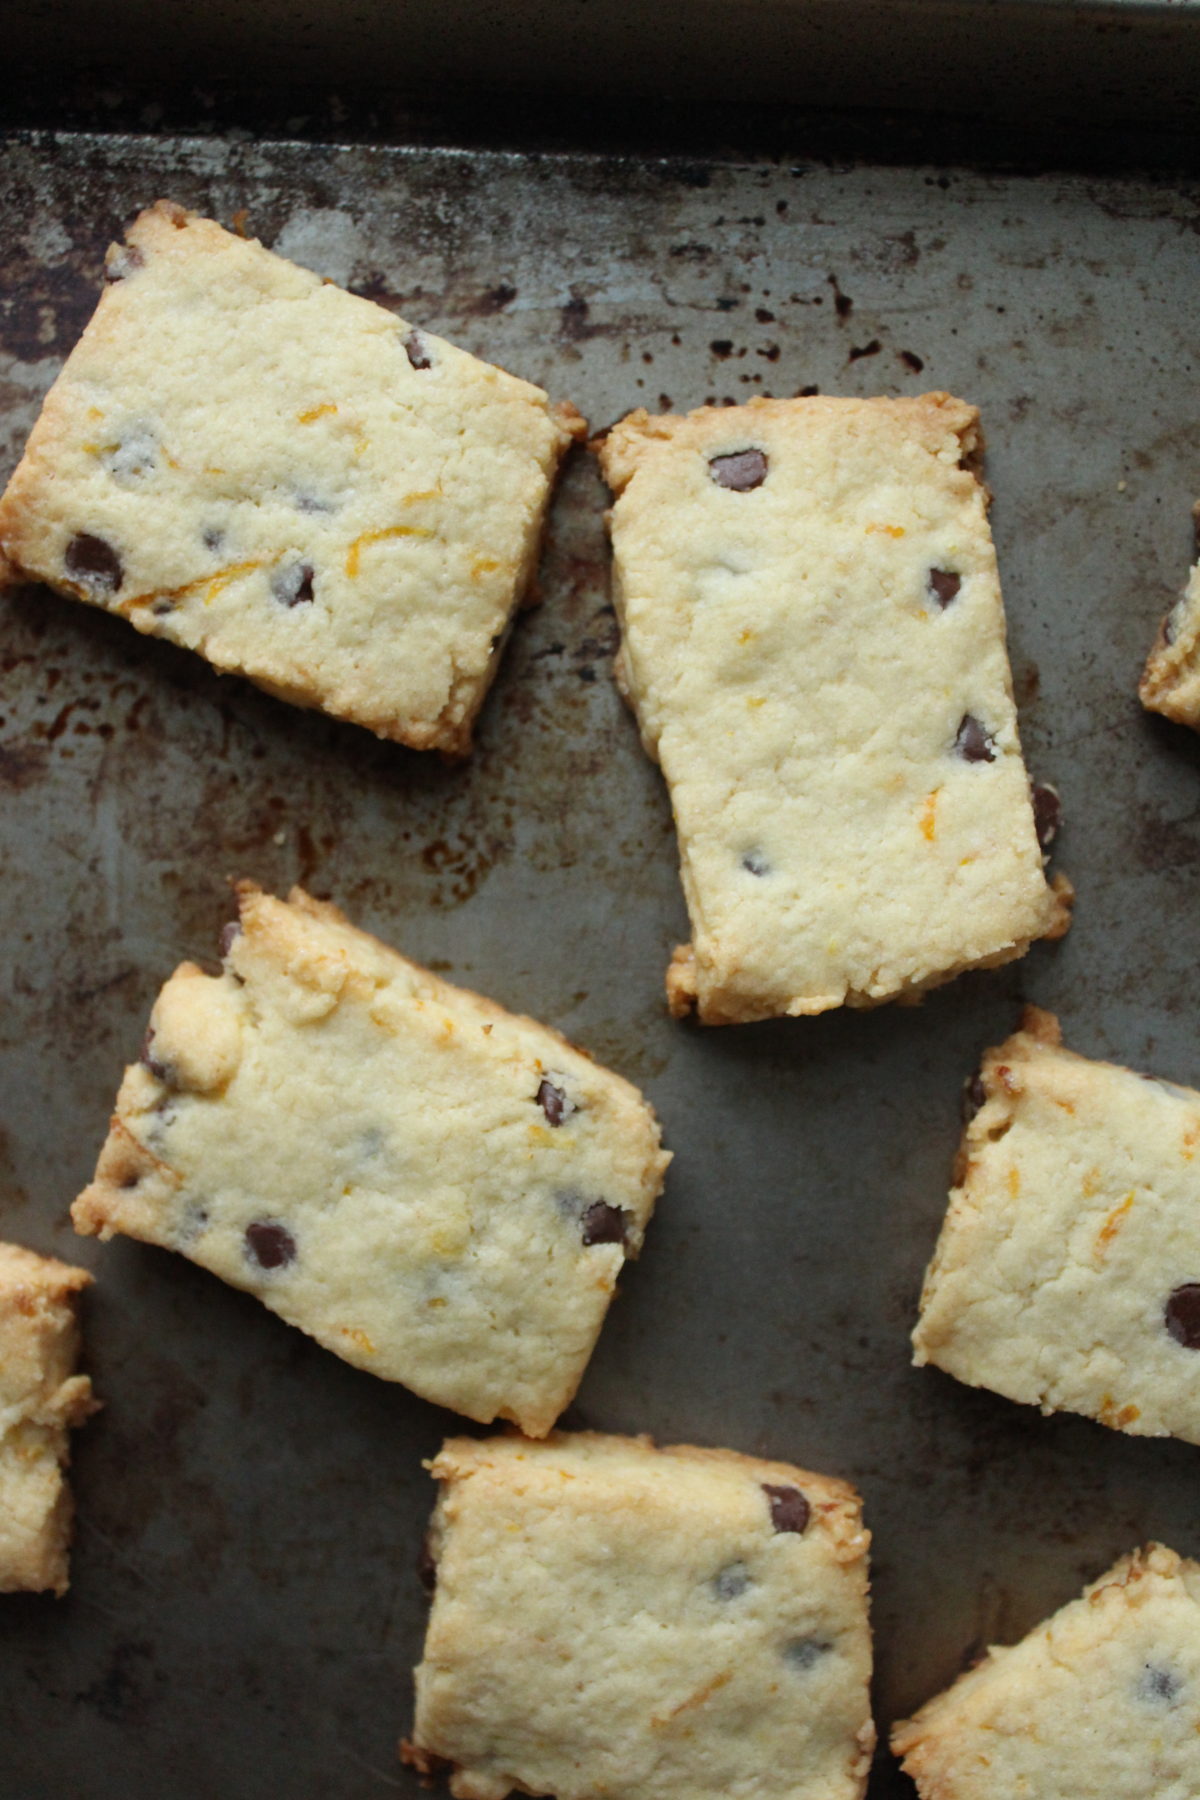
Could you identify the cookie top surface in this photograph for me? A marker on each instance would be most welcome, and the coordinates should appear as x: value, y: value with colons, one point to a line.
x: 613, y: 1618
x: 814, y: 645
x: 1067, y: 1273
x: 442, y: 1192
x: 1102, y: 1702
x: 292, y: 480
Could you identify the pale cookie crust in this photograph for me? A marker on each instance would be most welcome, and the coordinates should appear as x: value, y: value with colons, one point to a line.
x: 813, y: 643
x: 1067, y: 1273
x: 645, y: 1624
x: 289, y: 479
x: 41, y: 1398
x: 1170, y: 683
x: 1102, y: 1702
x: 441, y: 1192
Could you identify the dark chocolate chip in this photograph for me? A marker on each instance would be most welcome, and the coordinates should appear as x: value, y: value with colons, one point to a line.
x: 271, y: 1246
x: 427, y: 1565
x: 973, y: 743
x: 605, y: 1224
x: 417, y: 351
x: 802, y: 1653
x: 755, y: 863
x: 161, y: 1070
x: 944, y: 585
x: 741, y: 470
x: 213, y: 539
x: 731, y: 1581
x: 292, y: 584
x: 553, y: 1102
x: 94, y: 564
x: 790, y: 1511
x: 1159, y: 1685
x: 228, y: 934
x: 123, y: 262
x: 1047, y: 813
x: 1182, y: 1315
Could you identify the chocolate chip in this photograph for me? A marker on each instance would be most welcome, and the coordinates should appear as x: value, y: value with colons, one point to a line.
x: 605, y: 1224
x: 417, y: 351
x: 1159, y: 1685
x: 731, y: 1581
x: 802, y: 1653
x: 228, y: 934
x: 741, y: 470
x: 292, y: 585
x: 944, y: 585
x: 427, y: 1565
x: 160, y: 1070
x: 1182, y: 1315
x: 1047, y: 813
x: 755, y: 863
x: 973, y: 743
x: 553, y: 1102
x: 94, y: 564
x: 213, y: 539
x: 974, y: 1096
x: 270, y: 1245
x: 790, y: 1511
x: 123, y: 261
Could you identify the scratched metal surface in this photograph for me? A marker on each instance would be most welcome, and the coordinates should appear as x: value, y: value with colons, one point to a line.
x: 244, y: 1611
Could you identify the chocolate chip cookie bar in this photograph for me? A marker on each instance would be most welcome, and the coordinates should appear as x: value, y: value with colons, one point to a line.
x: 1170, y: 683
x: 676, y: 1624
x: 437, y: 1190
x: 813, y: 643
x: 41, y: 1398
x: 1067, y: 1273
x: 1100, y: 1702
x: 291, y: 480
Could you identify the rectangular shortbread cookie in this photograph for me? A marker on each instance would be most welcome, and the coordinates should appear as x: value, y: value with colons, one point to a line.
x: 291, y: 480
x: 813, y: 642
x: 41, y: 1398
x: 645, y: 1624
x: 437, y: 1190
x: 1100, y: 1702
x: 1171, y: 680
x: 1067, y: 1273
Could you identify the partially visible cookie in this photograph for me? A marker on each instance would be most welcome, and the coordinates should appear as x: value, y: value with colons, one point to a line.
x: 813, y: 641
x: 1170, y: 683
x: 1067, y: 1273
x: 674, y: 1624
x: 291, y: 480
x: 41, y: 1398
x: 438, y: 1190
x: 1101, y: 1702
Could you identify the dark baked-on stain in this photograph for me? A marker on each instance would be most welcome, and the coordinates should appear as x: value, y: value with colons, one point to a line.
x: 974, y: 1096
x: 802, y: 1653
x: 741, y: 470
x: 1182, y: 1315
x: 123, y: 262
x: 292, y: 585
x: 972, y: 742
x: 790, y: 1511
x: 1047, y: 813
x: 1158, y: 1685
x: 605, y: 1224
x: 94, y: 564
x: 161, y: 1070
x: 553, y: 1102
x: 944, y: 585
x: 271, y: 1246
x: 417, y: 351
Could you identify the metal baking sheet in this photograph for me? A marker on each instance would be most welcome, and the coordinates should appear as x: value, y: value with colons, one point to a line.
x: 244, y: 1609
